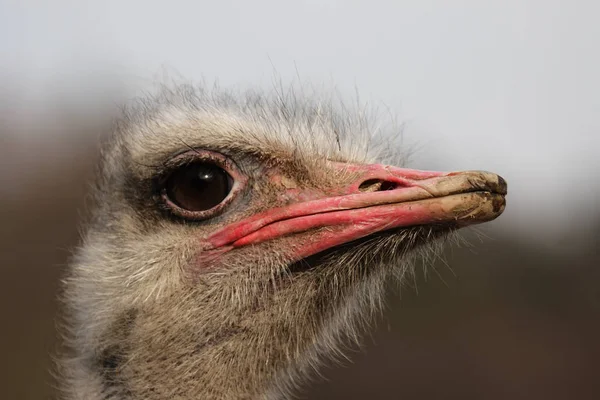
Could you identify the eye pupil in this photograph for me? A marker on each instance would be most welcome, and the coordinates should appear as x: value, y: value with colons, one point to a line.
x: 198, y: 187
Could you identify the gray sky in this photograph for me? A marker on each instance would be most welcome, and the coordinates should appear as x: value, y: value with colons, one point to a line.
x: 509, y: 86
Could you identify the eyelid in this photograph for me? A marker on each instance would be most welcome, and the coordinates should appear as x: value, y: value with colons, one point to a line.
x: 191, y: 156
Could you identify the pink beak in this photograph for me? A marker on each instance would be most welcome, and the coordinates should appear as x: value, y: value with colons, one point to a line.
x: 403, y: 198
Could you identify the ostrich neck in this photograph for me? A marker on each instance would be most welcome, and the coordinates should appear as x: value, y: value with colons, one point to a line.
x: 176, y: 348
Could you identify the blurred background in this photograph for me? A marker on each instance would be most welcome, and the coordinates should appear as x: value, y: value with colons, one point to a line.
x: 512, y: 87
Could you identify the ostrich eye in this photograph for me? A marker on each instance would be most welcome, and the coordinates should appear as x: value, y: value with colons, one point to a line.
x: 198, y: 186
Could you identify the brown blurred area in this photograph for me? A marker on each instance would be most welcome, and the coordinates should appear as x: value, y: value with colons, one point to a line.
x: 509, y: 319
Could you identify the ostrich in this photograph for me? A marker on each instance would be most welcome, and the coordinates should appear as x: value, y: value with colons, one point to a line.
x: 235, y: 242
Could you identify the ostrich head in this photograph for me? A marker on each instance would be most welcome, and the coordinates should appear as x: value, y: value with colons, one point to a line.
x: 235, y: 242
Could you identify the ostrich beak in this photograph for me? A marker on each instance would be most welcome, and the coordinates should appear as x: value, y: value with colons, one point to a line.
x: 383, y: 198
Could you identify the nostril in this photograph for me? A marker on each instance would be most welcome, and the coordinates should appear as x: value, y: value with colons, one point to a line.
x: 377, y: 185
x: 386, y: 185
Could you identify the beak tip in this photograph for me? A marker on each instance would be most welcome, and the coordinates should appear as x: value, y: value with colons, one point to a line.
x: 502, y: 185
